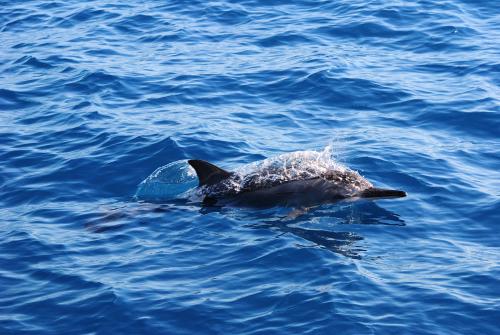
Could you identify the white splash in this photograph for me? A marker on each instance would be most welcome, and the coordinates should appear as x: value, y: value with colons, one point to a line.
x: 289, y: 166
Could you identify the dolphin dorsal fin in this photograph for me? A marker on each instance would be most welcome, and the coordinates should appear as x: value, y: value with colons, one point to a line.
x: 208, y: 174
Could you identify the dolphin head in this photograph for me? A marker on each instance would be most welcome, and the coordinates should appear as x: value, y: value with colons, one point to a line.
x: 348, y: 183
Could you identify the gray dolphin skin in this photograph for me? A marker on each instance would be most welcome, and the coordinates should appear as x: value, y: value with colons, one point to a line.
x: 220, y: 187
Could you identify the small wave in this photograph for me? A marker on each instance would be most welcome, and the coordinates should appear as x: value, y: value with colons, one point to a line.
x: 10, y: 99
x: 284, y: 39
x: 89, y: 14
x: 363, y: 30
x: 98, y: 82
x: 25, y: 23
x: 139, y: 24
x: 34, y: 62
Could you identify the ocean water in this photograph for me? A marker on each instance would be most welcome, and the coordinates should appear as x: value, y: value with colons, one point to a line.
x: 102, y: 103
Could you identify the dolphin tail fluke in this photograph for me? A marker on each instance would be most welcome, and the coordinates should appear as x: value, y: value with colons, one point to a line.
x: 208, y: 174
x: 375, y: 192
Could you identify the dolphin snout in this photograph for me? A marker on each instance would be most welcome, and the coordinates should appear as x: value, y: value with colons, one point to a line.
x: 374, y: 192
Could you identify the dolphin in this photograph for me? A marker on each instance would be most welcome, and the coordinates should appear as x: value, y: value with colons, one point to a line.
x: 273, y: 186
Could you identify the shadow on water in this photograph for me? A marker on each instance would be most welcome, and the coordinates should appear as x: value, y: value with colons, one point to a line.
x: 116, y: 218
x: 340, y: 242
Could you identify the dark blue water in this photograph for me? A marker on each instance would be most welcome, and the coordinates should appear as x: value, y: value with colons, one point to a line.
x: 96, y: 95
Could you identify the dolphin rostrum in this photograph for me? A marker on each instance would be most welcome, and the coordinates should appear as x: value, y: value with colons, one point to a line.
x: 278, y: 186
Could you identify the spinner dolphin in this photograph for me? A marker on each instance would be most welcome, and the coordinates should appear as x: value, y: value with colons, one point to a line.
x: 281, y: 185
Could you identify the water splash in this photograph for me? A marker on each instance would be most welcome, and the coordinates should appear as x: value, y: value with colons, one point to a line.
x: 293, y: 165
x: 167, y: 182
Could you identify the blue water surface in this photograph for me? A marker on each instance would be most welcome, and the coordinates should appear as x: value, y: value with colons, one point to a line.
x: 97, y: 95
